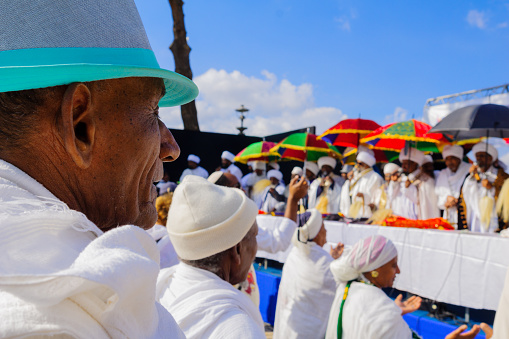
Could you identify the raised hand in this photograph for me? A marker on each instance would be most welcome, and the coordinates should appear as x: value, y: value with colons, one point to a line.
x: 337, y: 250
x: 456, y: 334
x: 408, y: 306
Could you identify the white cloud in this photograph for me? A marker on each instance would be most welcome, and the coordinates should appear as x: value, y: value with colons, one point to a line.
x: 344, y: 23
x: 275, y: 106
x: 477, y: 19
x: 503, y: 24
x: 400, y: 114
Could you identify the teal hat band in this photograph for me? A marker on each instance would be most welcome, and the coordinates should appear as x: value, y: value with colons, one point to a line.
x: 24, y: 69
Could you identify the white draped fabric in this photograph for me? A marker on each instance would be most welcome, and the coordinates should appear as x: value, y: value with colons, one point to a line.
x: 418, y: 201
x: 473, y: 191
x: 305, y: 294
x: 199, y: 171
x: 449, y: 184
x: 501, y: 324
x: 269, y: 203
x: 368, y: 313
x: 205, y: 306
x: 366, y: 183
x: 60, y: 275
x: 333, y: 194
x: 233, y: 170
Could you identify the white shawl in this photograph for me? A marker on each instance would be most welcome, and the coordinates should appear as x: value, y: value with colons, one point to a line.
x: 205, y: 306
x: 421, y: 194
x: 60, y: 275
x: 367, y: 184
x: 333, y: 194
x: 449, y: 184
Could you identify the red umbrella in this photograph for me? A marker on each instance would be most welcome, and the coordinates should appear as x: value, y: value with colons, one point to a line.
x: 347, y: 133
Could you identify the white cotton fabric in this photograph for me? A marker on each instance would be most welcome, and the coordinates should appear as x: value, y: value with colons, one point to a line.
x: 452, y: 150
x: 312, y: 167
x: 205, y: 306
x: 193, y: 158
x: 305, y: 294
x: 333, y: 193
x: 427, y: 159
x: 366, y: 182
x: 327, y: 161
x: 228, y: 156
x: 277, y: 237
x: 297, y: 171
x: 501, y: 324
x: 390, y: 168
x: 366, y: 255
x: 268, y: 203
x: 419, y: 200
x: 449, y: 184
x: 368, y: 313
x: 275, y: 174
x: 60, y: 275
x: 274, y: 165
x: 234, y: 170
x: 198, y: 171
x: 483, y: 147
x: 258, y: 165
x: 205, y: 219
x: 413, y: 155
x: 366, y: 158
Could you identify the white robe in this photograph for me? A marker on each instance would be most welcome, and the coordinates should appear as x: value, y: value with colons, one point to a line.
x: 305, y: 295
x: 449, y: 184
x: 368, y: 313
x: 233, y: 170
x: 367, y: 184
x: 199, y: 171
x: 472, y: 194
x: 418, y: 201
x: 60, y: 275
x: 501, y: 324
x: 269, y: 203
x: 205, y: 306
x: 333, y: 195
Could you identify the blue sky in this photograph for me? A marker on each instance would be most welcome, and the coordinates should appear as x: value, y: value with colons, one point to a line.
x: 299, y: 63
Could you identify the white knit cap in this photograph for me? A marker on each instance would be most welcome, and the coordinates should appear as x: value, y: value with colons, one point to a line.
x: 193, y: 158
x: 366, y: 158
x: 327, y: 161
x: 274, y: 165
x: 297, y: 171
x: 258, y: 165
x: 390, y: 168
x: 366, y: 255
x: 481, y: 147
x: 228, y: 156
x: 427, y: 158
x: 275, y: 174
x: 312, y: 167
x: 452, y: 150
x: 415, y: 156
x: 206, y: 219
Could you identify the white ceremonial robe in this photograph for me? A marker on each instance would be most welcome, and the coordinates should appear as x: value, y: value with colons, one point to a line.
x: 269, y: 203
x: 419, y: 200
x: 198, y: 171
x: 449, y: 184
x: 367, y: 184
x: 205, y: 306
x: 473, y: 191
x: 305, y: 294
x: 276, y: 239
x: 333, y: 194
x: 368, y: 313
x: 233, y: 170
x: 61, y: 276
x: 501, y: 324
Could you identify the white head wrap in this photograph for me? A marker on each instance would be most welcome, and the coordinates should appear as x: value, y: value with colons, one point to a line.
x: 365, y: 149
x: 258, y: 165
x: 228, y: 156
x: 366, y: 158
x: 390, y: 168
x: 481, y: 147
x: 205, y: 219
x: 297, y: 170
x: 415, y: 156
x: 274, y: 165
x: 312, y: 167
x: 303, y: 235
x: 326, y: 161
x: 427, y: 158
x: 193, y: 158
x: 366, y: 255
x: 275, y: 174
x: 452, y: 150
x: 250, y: 164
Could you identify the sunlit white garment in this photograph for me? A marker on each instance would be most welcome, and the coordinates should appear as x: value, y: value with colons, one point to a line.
x: 269, y: 203
x: 473, y: 191
x: 305, y: 294
x: 368, y: 313
x: 199, y: 171
x: 501, y: 324
x: 277, y: 238
x: 365, y: 182
x: 60, y: 275
x: 421, y: 200
x: 205, y: 306
x: 233, y: 170
x: 333, y: 194
x: 449, y: 184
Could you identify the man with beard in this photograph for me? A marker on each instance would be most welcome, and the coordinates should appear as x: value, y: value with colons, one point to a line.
x: 228, y: 166
x: 193, y: 162
x: 325, y: 191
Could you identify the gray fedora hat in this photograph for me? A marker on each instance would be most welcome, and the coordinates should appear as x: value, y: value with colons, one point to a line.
x: 46, y: 43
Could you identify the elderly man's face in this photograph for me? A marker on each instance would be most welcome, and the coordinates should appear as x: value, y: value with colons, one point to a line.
x: 452, y: 163
x: 484, y: 160
x: 192, y: 164
x: 131, y: 145
x: 409, y: 166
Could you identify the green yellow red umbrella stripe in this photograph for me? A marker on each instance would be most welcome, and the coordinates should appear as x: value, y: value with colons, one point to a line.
x: 305, y: 146
x: 258, y: 151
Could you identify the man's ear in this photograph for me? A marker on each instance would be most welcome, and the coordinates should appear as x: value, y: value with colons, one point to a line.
x: 78, y: 124
x: 236, y: 256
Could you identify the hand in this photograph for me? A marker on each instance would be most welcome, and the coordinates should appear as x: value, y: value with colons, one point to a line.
x: 407, y: 183
x: 337, y: 251
x: 298, y: 188
x: 487, y: 330
x: 486, y: 184
x: 360, y: 195
x: 473, y: 169
x: 349, y: 175
x: 451, y: 201
x: 456, y: 334
x: 408, y: 306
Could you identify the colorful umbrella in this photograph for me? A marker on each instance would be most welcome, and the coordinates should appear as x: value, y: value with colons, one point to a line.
x: 258, y: 151
x: 347, y: 133
x: 305, y: 147
x: 393, y: 137
x: 381, y: 156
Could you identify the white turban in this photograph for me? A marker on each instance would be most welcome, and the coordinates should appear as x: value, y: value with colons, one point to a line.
x: 250, y: 163
x: 258, y: 165
x: 415, y: 156
x: 193, y: 158
x: 274, y: 165
x: 310, y: 230
x: 327, y: 161
x: 366, y: 255
x: 297, y: 171
x: 275, y: 174
x: 366, y: 158
x: 228, y: 156
x: 205, y: 219
x: 481, y: 147
x: 452, y: 150
x: 427, y: 158
x: 312, y: 167
x: 390, y: 168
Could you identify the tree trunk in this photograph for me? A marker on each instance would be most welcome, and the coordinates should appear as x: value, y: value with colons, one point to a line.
x: 181, y: 50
